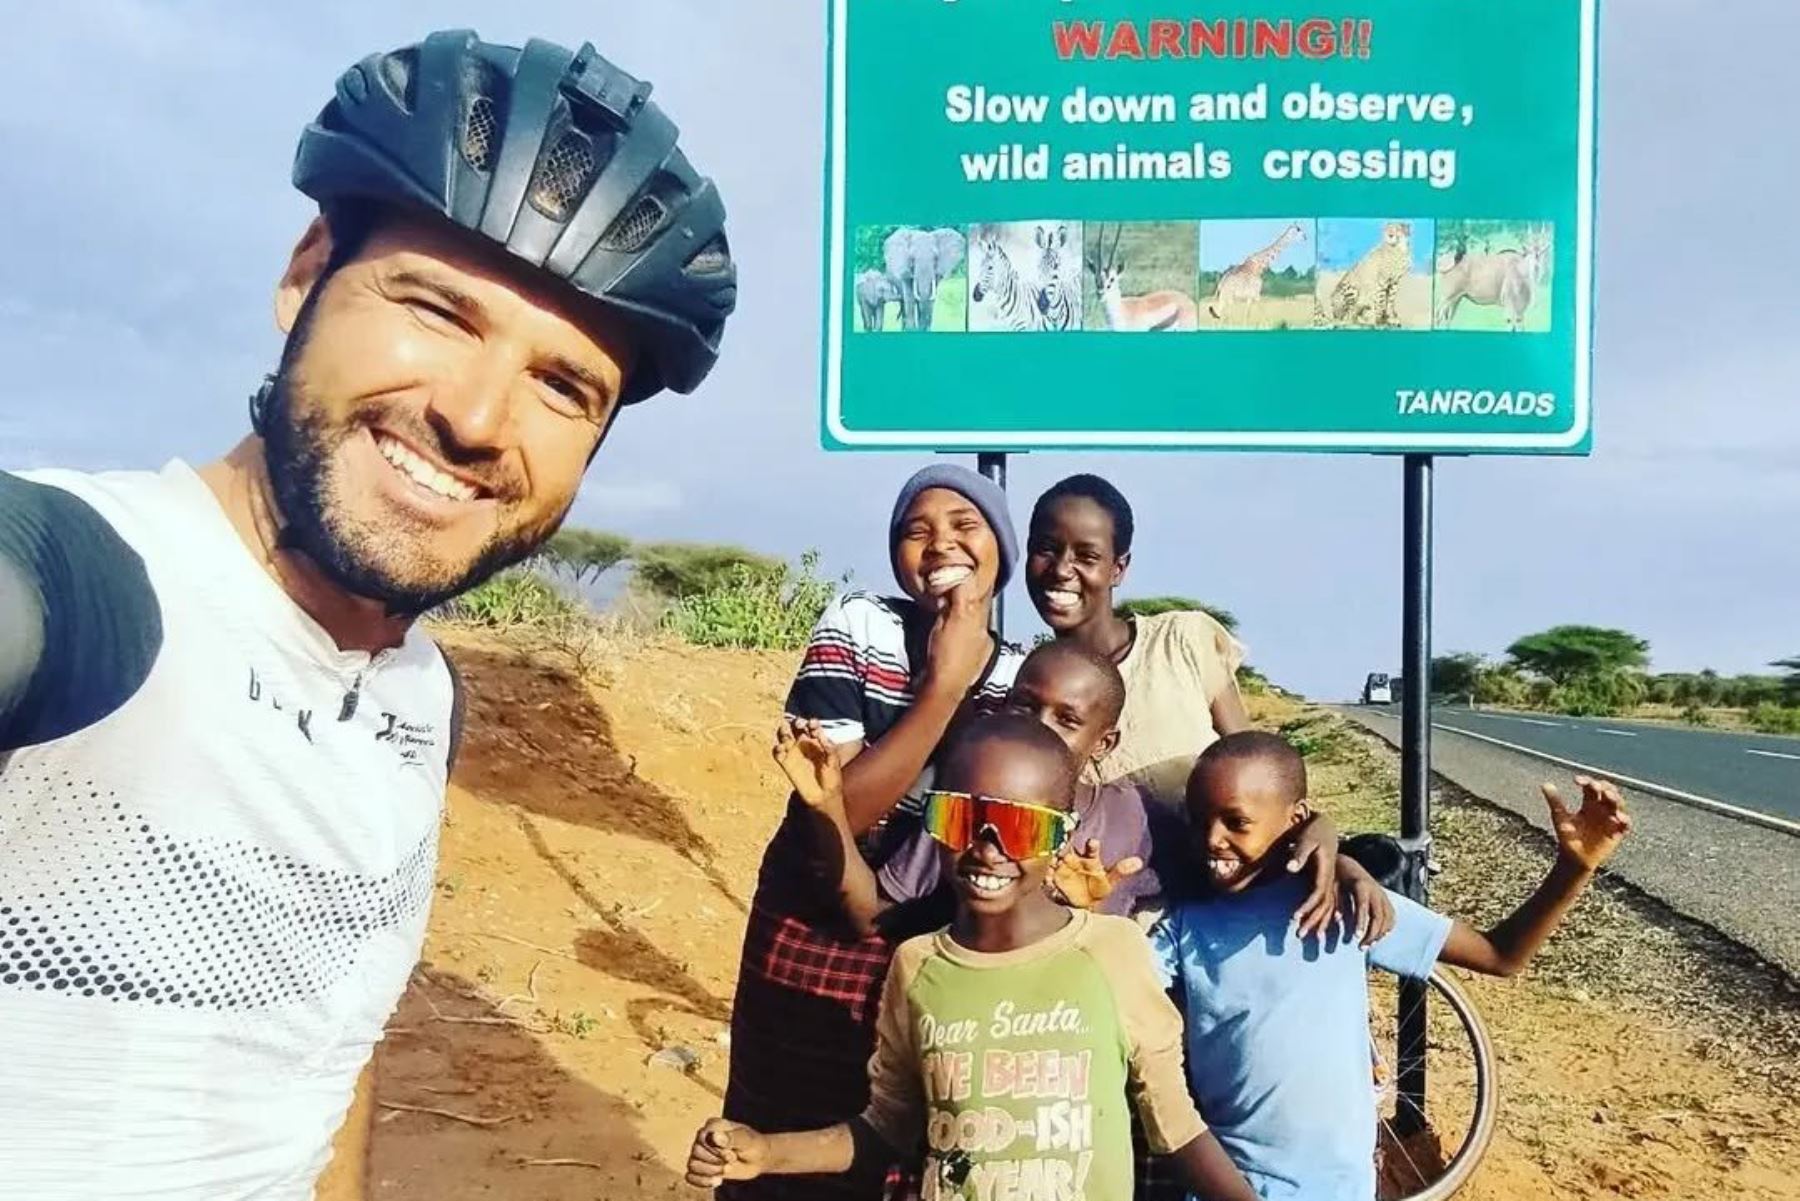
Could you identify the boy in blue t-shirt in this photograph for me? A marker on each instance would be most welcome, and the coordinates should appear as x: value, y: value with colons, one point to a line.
x: 1278, y: 1026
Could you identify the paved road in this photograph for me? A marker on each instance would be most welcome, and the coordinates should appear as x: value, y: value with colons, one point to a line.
x: 1740, y: 878
x: 1760, y: 772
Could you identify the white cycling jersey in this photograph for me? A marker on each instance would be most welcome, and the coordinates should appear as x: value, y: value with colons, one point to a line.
x: 212, y: 896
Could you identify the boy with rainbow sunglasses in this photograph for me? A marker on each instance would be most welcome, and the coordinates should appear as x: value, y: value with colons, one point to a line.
x: 1012, y: 1043
x: 1078, y: 694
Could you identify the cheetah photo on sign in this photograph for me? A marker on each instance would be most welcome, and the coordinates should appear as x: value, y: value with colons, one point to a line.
x: 1374, y: 274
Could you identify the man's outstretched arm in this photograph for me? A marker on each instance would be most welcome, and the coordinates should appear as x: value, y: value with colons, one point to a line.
x: 80, y: 625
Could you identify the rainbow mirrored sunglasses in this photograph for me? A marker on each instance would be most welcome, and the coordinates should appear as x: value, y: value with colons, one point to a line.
x: 1023, y: 831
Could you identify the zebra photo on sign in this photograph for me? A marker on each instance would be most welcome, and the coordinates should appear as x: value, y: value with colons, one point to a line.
x: 1025, y: 275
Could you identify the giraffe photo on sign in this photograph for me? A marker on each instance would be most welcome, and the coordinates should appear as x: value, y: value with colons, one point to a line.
x: 1025, y: 276
x: 1258, y: 274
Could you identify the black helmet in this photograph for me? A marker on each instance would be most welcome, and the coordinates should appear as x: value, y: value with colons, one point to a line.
x: 558, y: 156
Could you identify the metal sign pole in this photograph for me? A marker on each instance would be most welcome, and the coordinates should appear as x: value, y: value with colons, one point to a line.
x: 992, y: 463
x: 1415, y: 767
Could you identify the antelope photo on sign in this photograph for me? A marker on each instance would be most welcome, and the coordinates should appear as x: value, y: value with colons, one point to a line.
x: 1494, y: 276
x: 1140, y: 275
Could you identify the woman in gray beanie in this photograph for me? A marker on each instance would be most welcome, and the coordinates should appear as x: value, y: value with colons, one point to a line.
x: 885, y: 676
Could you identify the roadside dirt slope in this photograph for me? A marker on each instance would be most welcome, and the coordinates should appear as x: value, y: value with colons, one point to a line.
x: 567, y: 1023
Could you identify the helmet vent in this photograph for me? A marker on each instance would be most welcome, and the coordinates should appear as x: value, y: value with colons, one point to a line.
x: 397, y: 71
x: 563, y: 175
x: 481, y: 131
x: 635, y: 225
x: 711, y: 258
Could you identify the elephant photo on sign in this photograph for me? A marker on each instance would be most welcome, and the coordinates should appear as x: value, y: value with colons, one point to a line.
x: 909, y: 278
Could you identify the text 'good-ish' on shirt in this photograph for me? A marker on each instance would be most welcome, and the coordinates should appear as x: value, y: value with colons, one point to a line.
x: 1016, y: 1069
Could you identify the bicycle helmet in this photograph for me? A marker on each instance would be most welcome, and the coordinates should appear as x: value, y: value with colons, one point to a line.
x: 558, y: 156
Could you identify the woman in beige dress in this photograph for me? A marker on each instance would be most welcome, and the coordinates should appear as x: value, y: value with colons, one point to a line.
x: 1180, y: 668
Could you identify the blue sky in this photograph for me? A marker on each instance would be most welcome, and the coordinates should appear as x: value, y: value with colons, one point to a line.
x: 1344, y: 240
x: 1225, y: 244
x: 145, y: 150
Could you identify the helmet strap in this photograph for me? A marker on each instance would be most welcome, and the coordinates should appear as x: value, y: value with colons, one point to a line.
x: 259, y: 404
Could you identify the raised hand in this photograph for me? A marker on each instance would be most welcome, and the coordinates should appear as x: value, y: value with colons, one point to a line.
x: 1589, y: 836
x: 960, y: 642
x: 810, y: 762
x: 1083, y: 881
x: 725, y: 1151
x: 1367, y: 913
x: 1316, y: 842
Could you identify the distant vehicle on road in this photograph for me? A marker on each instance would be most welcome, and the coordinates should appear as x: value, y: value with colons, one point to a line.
x: 1378, y: 689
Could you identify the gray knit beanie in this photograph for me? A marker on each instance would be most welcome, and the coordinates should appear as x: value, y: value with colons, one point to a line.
x: 984, y: 493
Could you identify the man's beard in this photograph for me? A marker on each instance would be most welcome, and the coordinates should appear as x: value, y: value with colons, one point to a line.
x: 298, y: 449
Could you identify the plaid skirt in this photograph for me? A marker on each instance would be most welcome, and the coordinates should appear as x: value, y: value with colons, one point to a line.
x: 803, y: 1023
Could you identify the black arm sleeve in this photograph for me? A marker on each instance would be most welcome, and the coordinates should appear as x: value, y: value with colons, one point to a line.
x: 79, y: 622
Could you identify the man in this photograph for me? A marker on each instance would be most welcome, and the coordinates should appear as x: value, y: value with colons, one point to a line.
x: 223, y: 740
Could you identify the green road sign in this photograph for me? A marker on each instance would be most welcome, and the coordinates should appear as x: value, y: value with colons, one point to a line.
x: 1263, y: 225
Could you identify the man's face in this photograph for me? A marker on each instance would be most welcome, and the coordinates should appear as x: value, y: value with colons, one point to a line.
x: 434, y: 412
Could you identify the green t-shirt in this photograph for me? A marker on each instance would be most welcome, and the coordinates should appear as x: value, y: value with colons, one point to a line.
x: 1016, y: 1068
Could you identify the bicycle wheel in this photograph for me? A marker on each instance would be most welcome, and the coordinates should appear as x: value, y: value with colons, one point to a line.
x: 1460, y: 1093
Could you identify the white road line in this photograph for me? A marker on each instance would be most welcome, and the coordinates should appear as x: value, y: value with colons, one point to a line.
x: 1772, y: 755
x: 1530, y: 721
x: 1674, y: 794
x: 1617, y: 733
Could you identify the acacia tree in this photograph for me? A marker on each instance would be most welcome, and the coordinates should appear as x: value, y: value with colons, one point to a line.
x: 584, y: 553
x: 1457, y: 675
x: 1571, y: 652
x: 1790, y: 683
x: 678, y: 570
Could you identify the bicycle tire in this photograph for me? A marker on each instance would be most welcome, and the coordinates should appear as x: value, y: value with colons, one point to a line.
x: 1485, y: 1109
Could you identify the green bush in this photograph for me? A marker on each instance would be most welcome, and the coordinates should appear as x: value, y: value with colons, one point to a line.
x: 1252, y: 682
x: 755, y: 607
x: 1776, y: 719
x: 513, y: 598
x: 1600, y: 694
x: 1316, y: 737
x: 1582, y: 698
x: 1503, y: 686
x: 1694, y: 715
